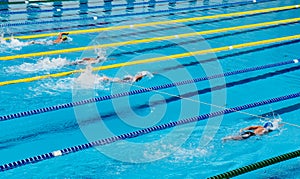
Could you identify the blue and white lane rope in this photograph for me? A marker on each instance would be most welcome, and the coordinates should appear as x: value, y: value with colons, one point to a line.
x: 141, y: 132
x: 78, y: 8
x: 139, y: 91
x: 131, y: 14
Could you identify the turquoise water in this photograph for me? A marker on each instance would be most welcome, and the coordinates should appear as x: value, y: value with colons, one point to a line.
x: 191, y: 151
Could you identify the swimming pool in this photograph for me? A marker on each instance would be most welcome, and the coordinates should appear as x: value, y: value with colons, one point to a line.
x: 193, y: 150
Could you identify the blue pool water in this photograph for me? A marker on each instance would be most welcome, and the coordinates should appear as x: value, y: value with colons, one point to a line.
x: 193, y: 150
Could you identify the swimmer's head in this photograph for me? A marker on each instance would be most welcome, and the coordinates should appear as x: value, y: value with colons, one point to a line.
x: 145, y: 73
x: 268, y: 125
x: 64, y: 38
x: 99, y: 57
x: 271, y: 126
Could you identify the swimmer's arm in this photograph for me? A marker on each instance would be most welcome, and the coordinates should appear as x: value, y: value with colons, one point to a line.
x: 58, y: 39
x: 250, y: 128
x: 59, y: 36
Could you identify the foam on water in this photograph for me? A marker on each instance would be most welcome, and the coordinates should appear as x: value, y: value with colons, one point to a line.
x: 183, y: 154
x: 51, y: 87
x: 12, y: 44
x: 86, y: 80
x: 101, y: 53
x: 43, y: 64
x: 179, y: 154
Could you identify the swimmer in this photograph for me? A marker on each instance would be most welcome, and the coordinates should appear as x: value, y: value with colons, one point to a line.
x: 135, y: 78
x: 247, y: 132
x: 126, y: 79
x: 85, y: 61
x: 89, y: 60
x: 61, y: 38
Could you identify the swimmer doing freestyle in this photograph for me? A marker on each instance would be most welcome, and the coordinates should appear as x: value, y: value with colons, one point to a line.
x: 128, y: 79
x: 61, y: 38
x: 255, y: 130
x: 89, y: 60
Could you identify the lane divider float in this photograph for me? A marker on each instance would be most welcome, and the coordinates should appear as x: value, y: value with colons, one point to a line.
x: 78, y: 8
x: 258, y: 165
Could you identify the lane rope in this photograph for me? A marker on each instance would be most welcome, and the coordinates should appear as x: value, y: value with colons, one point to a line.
x: 29, y: 1
x: 123, y: 15
x: 144, y: 90
x: 251, y: 12
x: 141, y: 132
x: 87, y: 12
x: 153, y: 39
x: 258, y: 165
x: 47, y: 4
x: 155, y: 59
x: 78, y: 8
x: 107, y: 24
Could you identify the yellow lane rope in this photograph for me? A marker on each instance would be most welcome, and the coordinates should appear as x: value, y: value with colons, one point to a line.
x: 163, y: 22
x: 147, y: 40
x: 156, y: 59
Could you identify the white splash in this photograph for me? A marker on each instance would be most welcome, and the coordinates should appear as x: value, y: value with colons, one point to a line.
x: 88, y: 80
x: 44, y: 64
x: 12, y: 44
x: 101, y: 54
x: 179, y: 154
x: 275, y: 122
x: 52, y: 87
